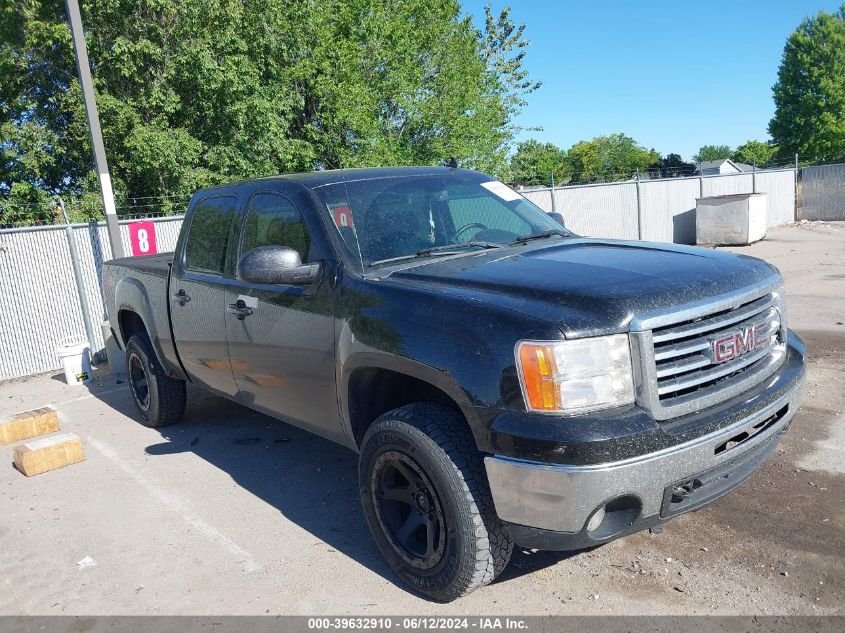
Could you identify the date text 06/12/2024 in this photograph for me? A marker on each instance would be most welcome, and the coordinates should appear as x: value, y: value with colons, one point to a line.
x: 417, y: 623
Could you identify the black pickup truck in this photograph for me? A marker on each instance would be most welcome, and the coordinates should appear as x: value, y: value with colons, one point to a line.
x: 503, y: 380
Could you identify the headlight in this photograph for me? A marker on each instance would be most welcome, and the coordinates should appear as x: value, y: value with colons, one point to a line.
x: 577, y: 375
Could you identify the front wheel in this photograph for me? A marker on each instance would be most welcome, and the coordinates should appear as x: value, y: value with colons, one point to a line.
x: 426, y: 499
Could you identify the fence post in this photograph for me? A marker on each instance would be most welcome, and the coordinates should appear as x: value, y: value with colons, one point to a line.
x: 80, y: 280
x: 639, y: 209
x: 754, y: 178
x: 554, y: 208
x: 797, y: 190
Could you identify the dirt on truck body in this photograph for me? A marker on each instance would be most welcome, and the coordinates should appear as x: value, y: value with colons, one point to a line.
x: 504, y: 381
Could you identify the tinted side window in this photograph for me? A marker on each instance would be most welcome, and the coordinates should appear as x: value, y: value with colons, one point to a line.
x: 208, y: 235
x: 273, y: 220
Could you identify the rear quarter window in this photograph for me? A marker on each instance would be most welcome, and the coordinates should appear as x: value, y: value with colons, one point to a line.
x: 209, y: 234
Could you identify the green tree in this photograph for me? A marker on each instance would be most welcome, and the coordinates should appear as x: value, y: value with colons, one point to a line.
x: 196, y: 92
x: 25, y: 204
x: 608, y: 157
x: 190, y: 93
x: 809, y: 94
x: 503, y: 51
x: 712, y: 152
x: 413, y: 82
x: 41, y: 145
x: 755, y: 153
x: 671, y: 166
x: 534, y: 163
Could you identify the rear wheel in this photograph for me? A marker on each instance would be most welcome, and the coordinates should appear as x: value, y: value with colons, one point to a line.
x: 427, y: 502
x: 159, y: 399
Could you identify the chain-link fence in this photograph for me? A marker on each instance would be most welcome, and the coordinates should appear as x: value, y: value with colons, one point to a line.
x: 821, y: 192
x: 39, y: 294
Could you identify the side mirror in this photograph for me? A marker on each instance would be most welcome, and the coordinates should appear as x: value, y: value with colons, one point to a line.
x: 557, y: 217
x: 276, y: 265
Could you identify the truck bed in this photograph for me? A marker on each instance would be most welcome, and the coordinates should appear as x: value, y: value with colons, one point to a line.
x: 154, y: 264
x: 140, y: 285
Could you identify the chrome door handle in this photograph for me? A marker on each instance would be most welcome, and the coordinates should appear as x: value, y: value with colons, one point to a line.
x: 181, y: 297
x: 239, y: 309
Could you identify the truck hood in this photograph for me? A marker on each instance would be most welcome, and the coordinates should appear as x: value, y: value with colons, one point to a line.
x: 589, y: 287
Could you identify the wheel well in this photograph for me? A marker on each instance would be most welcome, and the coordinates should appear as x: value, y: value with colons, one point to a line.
x: 129, y: 323
x: 374, y: 391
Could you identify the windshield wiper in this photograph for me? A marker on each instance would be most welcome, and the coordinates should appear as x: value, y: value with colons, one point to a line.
x: 458, y: 245
x: 539, y: 236
x: 445, y: 249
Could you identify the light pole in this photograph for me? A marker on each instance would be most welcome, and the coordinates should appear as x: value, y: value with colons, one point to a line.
x: 90, y: 102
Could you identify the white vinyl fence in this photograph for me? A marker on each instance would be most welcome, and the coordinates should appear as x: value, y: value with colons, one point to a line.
x: 39, y: 301
x: 660, y: 210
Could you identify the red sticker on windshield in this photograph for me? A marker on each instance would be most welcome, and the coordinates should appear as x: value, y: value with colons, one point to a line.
x: 342, y: 216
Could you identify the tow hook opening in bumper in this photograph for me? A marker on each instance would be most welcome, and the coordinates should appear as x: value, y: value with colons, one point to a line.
x: 693, y: 492
x: 747, y: 434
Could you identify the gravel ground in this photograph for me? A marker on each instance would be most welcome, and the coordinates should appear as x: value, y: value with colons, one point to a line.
x: 232, y: 512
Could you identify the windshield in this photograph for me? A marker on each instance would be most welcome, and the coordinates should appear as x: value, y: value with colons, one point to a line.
x: 387, y: 219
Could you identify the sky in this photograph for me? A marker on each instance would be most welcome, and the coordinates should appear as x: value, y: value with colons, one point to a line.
x: 673, y: 75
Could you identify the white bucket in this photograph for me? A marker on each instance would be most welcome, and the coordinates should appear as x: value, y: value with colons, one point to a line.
x: 75, y: 354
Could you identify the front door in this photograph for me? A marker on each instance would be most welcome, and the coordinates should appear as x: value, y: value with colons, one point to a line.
x: 198, y: 295
x: 282, y: 346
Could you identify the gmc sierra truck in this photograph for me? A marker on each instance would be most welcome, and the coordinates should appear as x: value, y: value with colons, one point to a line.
x: 503, y: 380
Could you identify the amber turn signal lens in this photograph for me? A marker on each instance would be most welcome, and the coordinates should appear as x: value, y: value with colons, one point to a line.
x: 537, y: 363
x: 576, y: 375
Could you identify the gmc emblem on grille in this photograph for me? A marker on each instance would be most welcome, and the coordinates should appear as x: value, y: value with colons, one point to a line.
x: 736, y: 344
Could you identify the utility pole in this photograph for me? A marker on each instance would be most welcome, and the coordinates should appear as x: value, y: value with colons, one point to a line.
x: 94, y: 126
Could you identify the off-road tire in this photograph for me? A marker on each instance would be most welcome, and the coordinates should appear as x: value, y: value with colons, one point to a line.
x: 477, y: 545
x: 166, y: 395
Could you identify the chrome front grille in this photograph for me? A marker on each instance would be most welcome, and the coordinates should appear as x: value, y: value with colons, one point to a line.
x: 689, y: 358
x: 680, y: 352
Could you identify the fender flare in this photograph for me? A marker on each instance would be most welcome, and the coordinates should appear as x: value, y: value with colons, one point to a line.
x: 130, y: 295
x: 374, y: 359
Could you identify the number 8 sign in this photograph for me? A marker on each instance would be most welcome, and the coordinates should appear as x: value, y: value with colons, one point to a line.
x: 142, y: 237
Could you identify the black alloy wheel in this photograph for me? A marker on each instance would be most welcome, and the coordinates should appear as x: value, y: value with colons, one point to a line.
x: 139, y: 382
x: 408, y: 510
x: 160, y: 399
x: 426, y: 499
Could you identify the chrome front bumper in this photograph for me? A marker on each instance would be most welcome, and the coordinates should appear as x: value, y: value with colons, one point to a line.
x: 562, y: 498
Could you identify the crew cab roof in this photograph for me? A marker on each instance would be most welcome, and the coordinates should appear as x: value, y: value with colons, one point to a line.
x: 314, y: 179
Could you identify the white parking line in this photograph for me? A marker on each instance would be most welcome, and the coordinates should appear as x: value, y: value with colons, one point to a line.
x: 177, y: 505
x: 55, y: 405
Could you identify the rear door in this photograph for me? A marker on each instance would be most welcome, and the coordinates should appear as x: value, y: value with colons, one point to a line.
x: 282, y: 353
x: 198, y: 293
